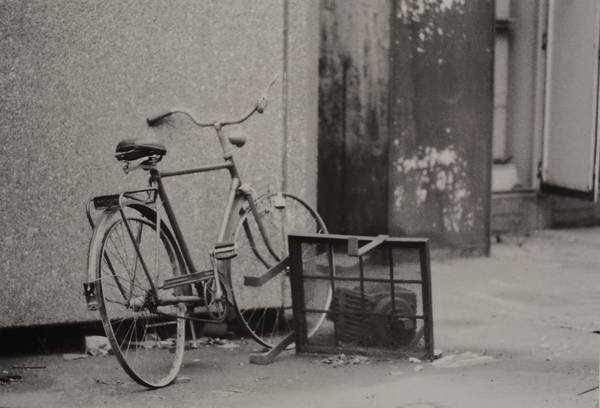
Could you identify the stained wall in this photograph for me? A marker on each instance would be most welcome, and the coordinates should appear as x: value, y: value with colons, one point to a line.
x: 405, y: 125
x: 441, y: 122
x: 353, y: 156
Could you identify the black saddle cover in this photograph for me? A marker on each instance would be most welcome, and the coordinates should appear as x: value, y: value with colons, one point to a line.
x: 133, y: 149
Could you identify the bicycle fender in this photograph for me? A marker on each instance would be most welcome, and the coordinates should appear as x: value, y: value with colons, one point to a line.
x: 100, y: 226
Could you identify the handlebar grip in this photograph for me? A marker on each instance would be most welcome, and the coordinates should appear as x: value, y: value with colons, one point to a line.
x: 156, y: 119
x: 263, y: 101
x: 261, y: 104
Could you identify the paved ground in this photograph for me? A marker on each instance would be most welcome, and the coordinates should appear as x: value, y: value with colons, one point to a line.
x: 530, y: 307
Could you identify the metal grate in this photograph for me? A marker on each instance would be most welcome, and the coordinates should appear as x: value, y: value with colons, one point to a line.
x: 379, y: 298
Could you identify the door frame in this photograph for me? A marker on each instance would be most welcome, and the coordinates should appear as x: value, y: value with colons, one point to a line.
x: 544, y: 53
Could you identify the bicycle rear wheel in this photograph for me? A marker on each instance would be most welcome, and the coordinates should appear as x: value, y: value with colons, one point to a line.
x: 147, y: 339
x: 266, y: 311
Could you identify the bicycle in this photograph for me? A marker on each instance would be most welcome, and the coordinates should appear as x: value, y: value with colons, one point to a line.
x: 143, y: 280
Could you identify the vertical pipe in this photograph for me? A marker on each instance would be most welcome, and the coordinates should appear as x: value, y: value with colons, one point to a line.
x: 284, y: 98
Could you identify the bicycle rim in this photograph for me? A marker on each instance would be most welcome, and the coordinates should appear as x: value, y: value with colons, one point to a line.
x: 148, y: 341
x: 266, y: 311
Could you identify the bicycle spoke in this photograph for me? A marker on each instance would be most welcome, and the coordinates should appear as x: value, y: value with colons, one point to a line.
x: 121, y: 244
x: 116, y: 278
x: 118, y: 255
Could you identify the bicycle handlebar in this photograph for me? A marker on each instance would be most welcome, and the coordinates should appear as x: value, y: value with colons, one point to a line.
x: 156, y: 119
x: 260, y: 106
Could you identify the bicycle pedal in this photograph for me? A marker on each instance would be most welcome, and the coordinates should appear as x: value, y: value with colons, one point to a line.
x: 187, y: 279
x: 224, y: 250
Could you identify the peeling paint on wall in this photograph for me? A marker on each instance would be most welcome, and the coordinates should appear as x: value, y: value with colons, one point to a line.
x: 440, y: 173
x: 416, y: 11
x: 413, y: 10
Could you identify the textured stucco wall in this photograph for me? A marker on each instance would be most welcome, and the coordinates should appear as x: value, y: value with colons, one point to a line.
x: 78, y: 76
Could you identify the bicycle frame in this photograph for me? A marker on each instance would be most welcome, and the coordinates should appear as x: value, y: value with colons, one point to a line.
x: 237, y: 194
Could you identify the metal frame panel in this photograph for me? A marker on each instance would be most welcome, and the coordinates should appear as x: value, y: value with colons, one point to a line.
x: 366, y: 244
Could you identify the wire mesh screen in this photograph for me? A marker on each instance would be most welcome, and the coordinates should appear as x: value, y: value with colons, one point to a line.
x: 367, y: 295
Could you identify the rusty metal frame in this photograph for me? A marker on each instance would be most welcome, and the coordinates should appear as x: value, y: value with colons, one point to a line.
x: 359, y: 247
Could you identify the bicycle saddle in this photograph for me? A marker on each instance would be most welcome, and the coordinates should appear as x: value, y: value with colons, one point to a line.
x: 133, y: 149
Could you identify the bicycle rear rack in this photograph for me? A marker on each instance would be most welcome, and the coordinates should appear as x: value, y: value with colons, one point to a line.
x: 143, y: 196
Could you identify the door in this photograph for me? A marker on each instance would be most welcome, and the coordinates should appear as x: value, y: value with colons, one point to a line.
x: 570, y: 154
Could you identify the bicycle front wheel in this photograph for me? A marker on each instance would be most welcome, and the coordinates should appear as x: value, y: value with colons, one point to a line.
x: 130, y: 259
x: 266, y: 310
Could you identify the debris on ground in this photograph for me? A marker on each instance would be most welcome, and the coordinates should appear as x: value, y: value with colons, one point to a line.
x: 97, y: 346
x: 212, y: 341
x: 109, y: 382
x: 225, y: 393
x: 29, y: 366
x: 228, y: 345
x: 414, y: 360
x: 196, y: 343
x: 437, y: 354
x: 7, y: 377
x: 396, y: 372
x: 216, y: 341
x: 419, y: 367
x: 182, y: 379
x: 166, y: 344
x: 343, y: 359
x: 467, y: 358
x: 74, y: 356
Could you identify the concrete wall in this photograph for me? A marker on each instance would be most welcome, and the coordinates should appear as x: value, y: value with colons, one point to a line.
x: 76, y: 77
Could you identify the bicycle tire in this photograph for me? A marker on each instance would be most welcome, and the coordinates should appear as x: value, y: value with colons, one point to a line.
x: 266, y: 311
x: 147, y: 340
